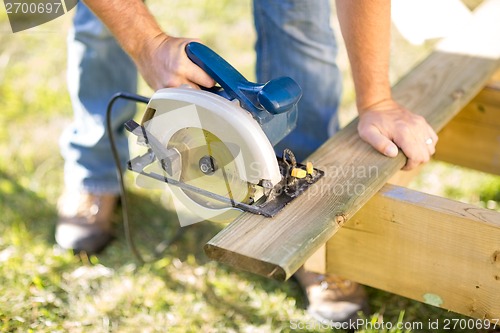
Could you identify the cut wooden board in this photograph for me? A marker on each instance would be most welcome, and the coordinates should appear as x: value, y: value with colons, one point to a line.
x: 437, y: 89
x: 431, y: 249
x: 472, y: 138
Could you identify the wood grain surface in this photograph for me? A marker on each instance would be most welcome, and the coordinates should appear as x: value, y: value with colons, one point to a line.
x: 438, y: 89
x: 435, y: 250
x: 472, y: 138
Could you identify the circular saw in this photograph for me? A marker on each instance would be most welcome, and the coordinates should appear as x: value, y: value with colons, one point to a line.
x: 213, y: 148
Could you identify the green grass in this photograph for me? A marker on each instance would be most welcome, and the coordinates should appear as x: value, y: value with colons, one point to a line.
x: 44, y: 289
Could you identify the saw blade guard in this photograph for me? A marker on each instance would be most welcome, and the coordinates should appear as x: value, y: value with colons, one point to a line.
x: 273, y: 104
x: 242, y: 150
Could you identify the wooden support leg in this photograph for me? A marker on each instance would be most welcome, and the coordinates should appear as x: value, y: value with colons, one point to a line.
x: 472, y: 138
x: 317, y: 262
x: 435, y: 250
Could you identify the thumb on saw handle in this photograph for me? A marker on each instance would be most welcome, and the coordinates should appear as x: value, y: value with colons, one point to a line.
x: 277, y: 96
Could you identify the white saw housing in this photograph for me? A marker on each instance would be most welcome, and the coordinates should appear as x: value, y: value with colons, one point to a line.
x: 173, y: 109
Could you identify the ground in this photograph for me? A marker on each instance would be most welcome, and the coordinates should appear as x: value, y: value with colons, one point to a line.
x: 46, y: 289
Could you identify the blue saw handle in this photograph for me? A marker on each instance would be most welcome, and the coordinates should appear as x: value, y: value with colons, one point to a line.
x: 277, y: 96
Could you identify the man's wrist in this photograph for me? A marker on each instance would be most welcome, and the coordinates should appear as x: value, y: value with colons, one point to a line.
x: 372, y: 91
x: 143, y: 52
x: 381, y: 102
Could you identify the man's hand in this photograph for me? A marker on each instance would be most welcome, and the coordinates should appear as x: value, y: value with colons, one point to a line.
x: 387, y: 126
x: 164, y: 63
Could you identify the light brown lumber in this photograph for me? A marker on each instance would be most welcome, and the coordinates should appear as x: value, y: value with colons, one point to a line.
x: 317, y: 261
x: 437, y: 89
x: 431, y: 249
x: 472, y: 138
x: 495, y: 80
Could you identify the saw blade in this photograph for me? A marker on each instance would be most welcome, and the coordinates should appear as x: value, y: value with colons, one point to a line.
x: 208, y: 163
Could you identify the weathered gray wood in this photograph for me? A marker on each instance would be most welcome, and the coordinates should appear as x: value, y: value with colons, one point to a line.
x: 435, y: 250
x: 437, y: 89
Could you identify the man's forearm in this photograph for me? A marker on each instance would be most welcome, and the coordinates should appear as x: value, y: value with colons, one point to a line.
x: 129, y: 21
x: 161, y: 59
x: 366, y: 26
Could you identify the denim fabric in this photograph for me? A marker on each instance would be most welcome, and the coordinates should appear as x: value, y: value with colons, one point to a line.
x: 97, y: 69
x: 294, y: 39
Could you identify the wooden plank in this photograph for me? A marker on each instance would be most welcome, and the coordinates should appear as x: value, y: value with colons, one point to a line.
x: 472, y: 138
x: 480, y: 151
x: 470, y: 145
x: 484, y: 108
x: 424, y: 247
x: 495, y: 80
x: 437, y: 89
x: 317, y: 261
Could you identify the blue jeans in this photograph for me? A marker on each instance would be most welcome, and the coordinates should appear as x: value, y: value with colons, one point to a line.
x: 97, y: 69
x: 294, y: 39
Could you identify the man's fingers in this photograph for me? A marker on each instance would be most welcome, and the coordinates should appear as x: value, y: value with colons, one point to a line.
x: 380, y: 142
x: 431, y: 145
x: 431, y: 149
x: 200, y: 77
x: 431, y: 141
x: 415, y: 148
x: 194, y: 73
x: 390, y: 126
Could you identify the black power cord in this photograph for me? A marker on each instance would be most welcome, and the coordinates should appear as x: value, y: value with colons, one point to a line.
x: 119, y: 170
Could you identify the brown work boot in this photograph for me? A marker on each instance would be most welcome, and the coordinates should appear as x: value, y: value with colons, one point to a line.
x: 331, y: 298
x: 85, y: 221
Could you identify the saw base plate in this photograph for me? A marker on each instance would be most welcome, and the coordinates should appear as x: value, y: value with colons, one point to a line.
x: 273, y: 204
